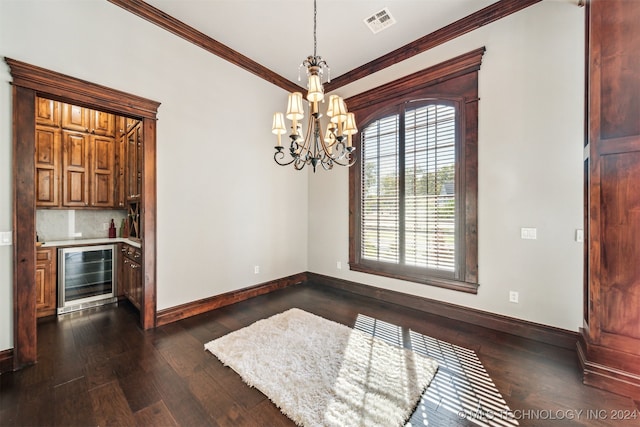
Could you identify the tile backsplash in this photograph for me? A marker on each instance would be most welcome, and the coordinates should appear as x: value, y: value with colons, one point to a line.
x: 55, y: 224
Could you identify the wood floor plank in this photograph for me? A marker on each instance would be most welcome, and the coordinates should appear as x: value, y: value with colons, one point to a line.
x: 73, y: 404
x: 139, y: 391
x: 177, y: 397
x: 220, y: 407
x: 110, y: 405
x: 155, y: 415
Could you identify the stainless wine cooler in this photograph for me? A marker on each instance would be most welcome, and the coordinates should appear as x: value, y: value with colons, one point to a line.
x: 86, y: 277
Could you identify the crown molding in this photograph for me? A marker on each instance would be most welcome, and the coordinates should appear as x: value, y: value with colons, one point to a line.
x: 462, y: 26
x: 180, y: 29
x: 489, y: 14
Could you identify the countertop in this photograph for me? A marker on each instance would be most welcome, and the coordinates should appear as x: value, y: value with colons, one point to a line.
x: 89, y: 242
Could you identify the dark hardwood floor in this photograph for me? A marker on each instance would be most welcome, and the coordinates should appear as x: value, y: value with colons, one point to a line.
x: 98, y: 367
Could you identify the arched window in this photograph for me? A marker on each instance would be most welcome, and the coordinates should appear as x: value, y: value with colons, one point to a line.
x: 413, y: 195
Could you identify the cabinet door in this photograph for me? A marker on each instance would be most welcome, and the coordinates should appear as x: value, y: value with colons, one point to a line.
x: 136, y: 284
x: 47, y: 166
x: 102, y: 183
x: 133, y: 279
x: 120, y: 177
x: 45, y: 282
x: 139, y: 160
x: 120, y: 277
x: 132, y: 166
x: 102, y: 123
x: 75, y: 118
x: 47, y: 112
x: 75, y: 162
x: 126, y: 277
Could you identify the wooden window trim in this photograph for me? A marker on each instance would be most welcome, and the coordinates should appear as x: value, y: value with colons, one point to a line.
x: 453, y: 79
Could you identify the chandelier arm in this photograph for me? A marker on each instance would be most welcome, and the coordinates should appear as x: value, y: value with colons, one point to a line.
x: 299, y: 164
x: 351, y: 160
x: 278, y: 156
x: 325, y: 147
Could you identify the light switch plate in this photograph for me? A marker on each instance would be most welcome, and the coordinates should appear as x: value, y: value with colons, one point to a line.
x: 5, y: 238
x: 529, y: 233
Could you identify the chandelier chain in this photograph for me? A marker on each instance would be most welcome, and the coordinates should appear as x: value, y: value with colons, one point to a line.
x: 315, y: 20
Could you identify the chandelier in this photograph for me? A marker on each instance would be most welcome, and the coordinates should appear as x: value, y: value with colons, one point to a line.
x: 329, y: 148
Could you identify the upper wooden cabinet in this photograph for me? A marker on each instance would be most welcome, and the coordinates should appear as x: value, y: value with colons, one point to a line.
x: 102, y: 178
x: 89, y: 121
x: 76, y: 157
x: 47, y: 112
x: 134, y: 163
x: 47, y: 166
x: 88, y: 164
x: 75, y: 168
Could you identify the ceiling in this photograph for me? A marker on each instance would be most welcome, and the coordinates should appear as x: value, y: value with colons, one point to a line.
x: 278, y: 34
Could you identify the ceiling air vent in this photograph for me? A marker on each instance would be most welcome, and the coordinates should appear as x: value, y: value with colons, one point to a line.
x: 379, y: 21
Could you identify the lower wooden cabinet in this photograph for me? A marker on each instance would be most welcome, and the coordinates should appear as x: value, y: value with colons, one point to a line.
x: 46, y: 281
x: 131, y: 274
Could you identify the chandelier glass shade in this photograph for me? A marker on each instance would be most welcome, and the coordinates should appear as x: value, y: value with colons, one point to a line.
x: 314, y: 146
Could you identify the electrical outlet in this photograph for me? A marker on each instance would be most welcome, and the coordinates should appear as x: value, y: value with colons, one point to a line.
x: 579, y: 235
x: 339, y: 265
x: 256, y: 269
x: 105, y: 225
x: 513, y: 297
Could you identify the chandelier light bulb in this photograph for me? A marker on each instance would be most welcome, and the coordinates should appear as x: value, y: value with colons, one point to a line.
x: 316, y: 91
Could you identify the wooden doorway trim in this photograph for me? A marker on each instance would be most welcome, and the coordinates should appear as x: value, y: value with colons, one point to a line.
x: 28, y: 82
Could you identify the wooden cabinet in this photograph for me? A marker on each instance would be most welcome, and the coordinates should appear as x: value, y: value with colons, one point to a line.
x: 75, y: 169
x: 47, y: 166
x: 128, y: 179
x: 121, y: 158
x: 102, y: 123
x: 46, y: 281
x: 131, y: 273
x: 134, y: 163
x: 89, y: 121
x: 102, y: 178
x: 47, y: 112
x: 76, y: 153
x: 609, y: 345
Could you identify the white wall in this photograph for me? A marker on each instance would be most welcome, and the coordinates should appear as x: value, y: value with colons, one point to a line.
x: 531, y: 116
x: 223, y: 205
x: 217, y: 219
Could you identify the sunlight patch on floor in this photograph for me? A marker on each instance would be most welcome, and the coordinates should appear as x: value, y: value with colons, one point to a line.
x: 461, y: 386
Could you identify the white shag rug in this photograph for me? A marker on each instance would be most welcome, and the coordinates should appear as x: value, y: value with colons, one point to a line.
x: 321, y: 373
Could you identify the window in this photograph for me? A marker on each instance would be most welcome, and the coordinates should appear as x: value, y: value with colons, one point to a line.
x: 413, y: 195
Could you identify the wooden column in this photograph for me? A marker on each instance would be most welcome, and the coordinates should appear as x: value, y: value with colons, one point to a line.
x: 609, y: 346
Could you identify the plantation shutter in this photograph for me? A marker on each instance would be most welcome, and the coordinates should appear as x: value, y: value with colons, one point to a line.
x: 380, y: 193
x: 408, y: 188
x: 429, y: 147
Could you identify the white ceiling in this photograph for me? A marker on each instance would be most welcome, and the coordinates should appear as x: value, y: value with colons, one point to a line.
x: 278, y: 34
